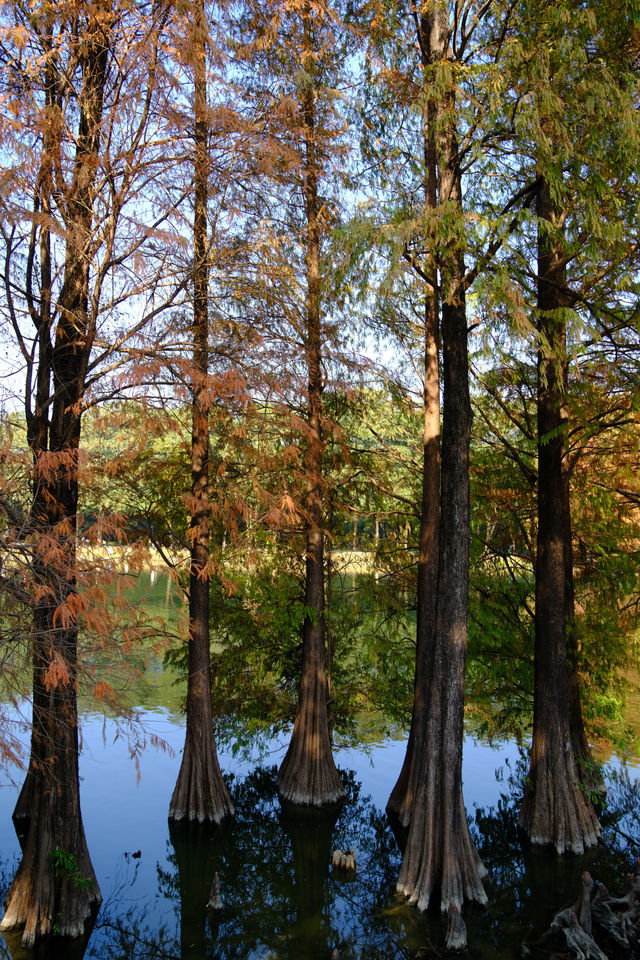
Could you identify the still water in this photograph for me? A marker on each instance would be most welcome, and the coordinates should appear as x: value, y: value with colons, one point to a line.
x: 281, y: 898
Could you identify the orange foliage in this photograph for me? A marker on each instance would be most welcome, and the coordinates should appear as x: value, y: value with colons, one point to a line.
x: 57, y: 673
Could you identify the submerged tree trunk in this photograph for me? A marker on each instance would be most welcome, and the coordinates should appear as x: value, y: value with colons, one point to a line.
x: 200, y: 792
x: 555, y: 809
x: 55, y: 890
x: 439, y: 855
x: 308, y: 774
x: 403, y: 794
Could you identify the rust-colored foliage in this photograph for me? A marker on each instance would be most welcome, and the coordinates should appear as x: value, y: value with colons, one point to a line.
x: 81, y: 84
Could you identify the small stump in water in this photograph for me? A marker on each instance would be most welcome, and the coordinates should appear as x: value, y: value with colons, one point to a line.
x: 215, y: 900
x: 344, y: 861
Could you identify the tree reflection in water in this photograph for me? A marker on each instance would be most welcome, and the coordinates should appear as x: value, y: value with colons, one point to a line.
x: 282, y: 900
x: 197, y: 853
x: 528, y: 885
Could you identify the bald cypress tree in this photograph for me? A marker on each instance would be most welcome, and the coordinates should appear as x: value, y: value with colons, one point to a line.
x: 200, y: 792
x: 308, y: 774
x: 555, y: 809
x: 579, y: 250
x: 291, y: 61
x: 82, y: 83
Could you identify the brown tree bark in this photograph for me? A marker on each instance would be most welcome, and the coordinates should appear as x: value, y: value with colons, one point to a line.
x: 555, y: 809
x: 308, y: 774
x: 403, y: 794
x: 200, y: 792
x: 55, y: 888
x: 38, y: 418
x: 439, y: 853
x: 590, y: 777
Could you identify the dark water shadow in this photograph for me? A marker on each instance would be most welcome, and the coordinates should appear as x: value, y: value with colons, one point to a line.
x: 198, y: 852
x: 309, y: 833
x: 47, y: 948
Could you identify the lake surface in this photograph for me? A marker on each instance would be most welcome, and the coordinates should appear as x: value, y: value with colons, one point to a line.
x: 281, y: 899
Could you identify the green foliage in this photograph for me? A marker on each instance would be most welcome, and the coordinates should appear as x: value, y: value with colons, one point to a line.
x: 256, y: 627
x: 256, y: 623
x: 500, y: 654
x: 603, y: 454
x: 137, y: 472
x: 65, y: 865
x: 372, y: 640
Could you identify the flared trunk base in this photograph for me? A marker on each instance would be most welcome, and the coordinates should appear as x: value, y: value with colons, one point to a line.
x: 555, y: 811
x: 55, y: 891
x: 440, y: 861
x: 200, y: 793
x: 308, y: 775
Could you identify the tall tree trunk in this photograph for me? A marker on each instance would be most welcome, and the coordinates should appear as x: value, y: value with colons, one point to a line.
x: 308, y: 774
x: 403, y: 794
x: 590, y: 778
x: 554, y: 810
x: 200, y: 792
x: 439, y: 853
x: 55, y: 888
x: 37, y: 417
